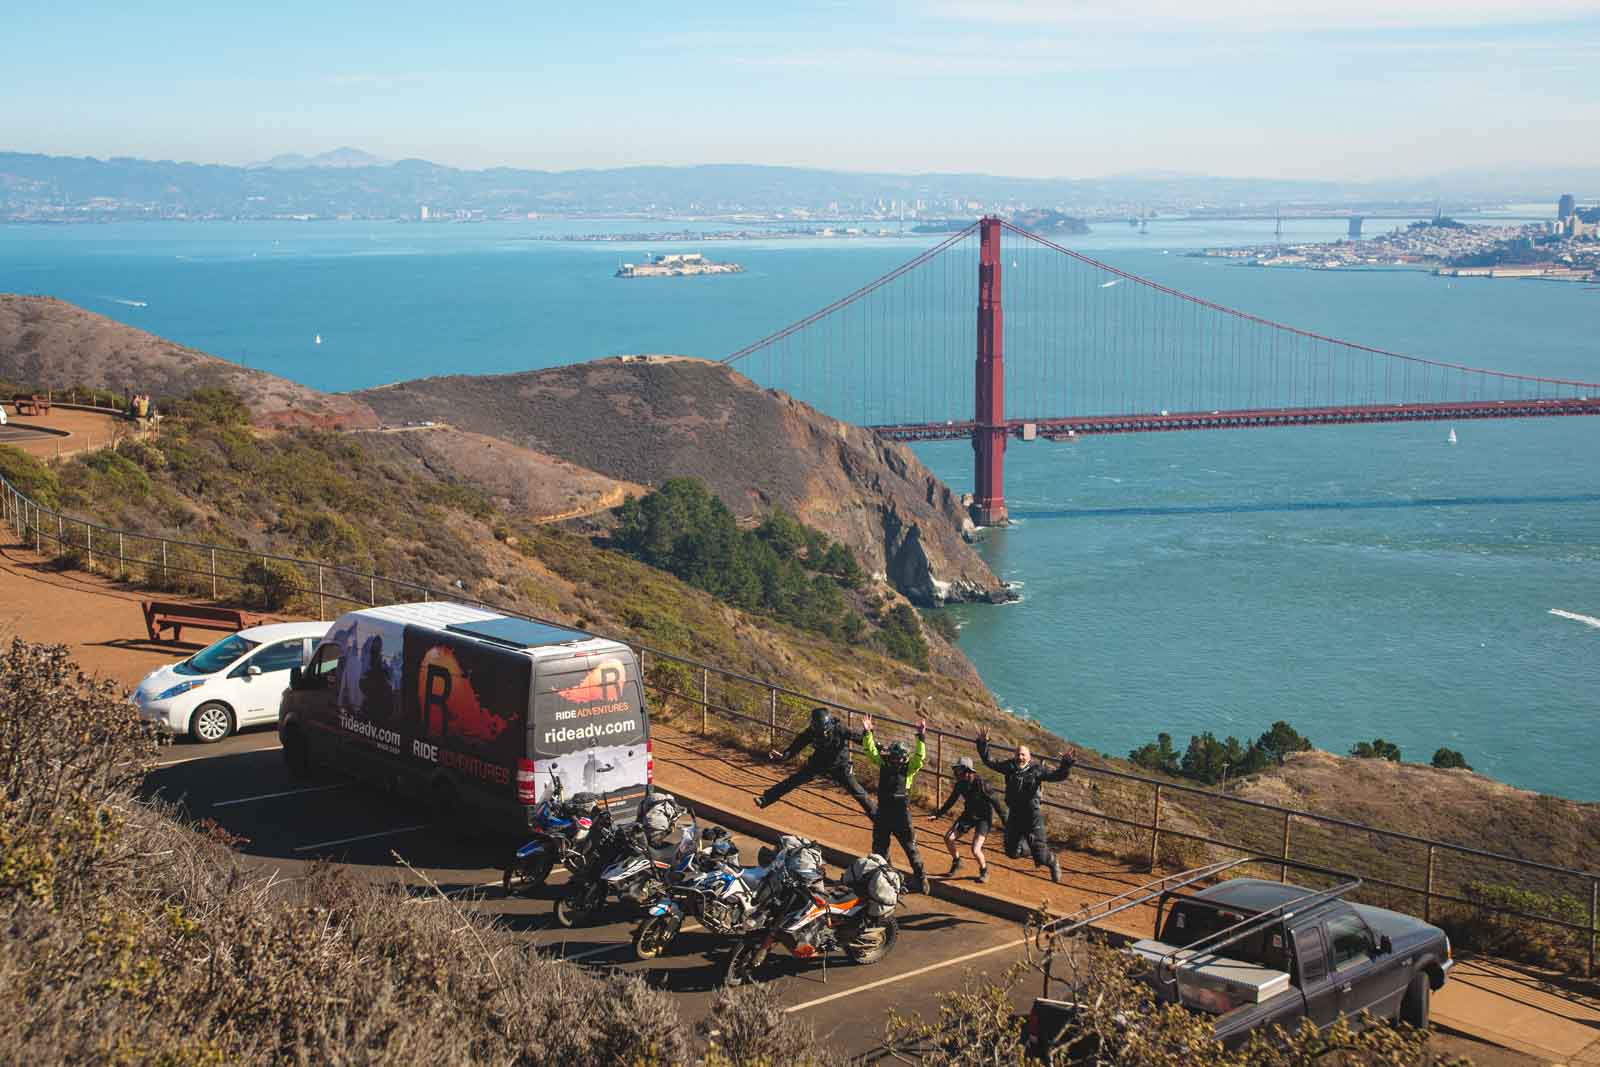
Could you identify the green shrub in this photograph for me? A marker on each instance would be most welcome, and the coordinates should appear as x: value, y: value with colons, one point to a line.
x: 1377, y: 748
x: 269, y: 584
x: 901, y: 636
x: 31, y: 477
x: 1450, y: 759
x: 941, y: 623
x: 1518, y: 938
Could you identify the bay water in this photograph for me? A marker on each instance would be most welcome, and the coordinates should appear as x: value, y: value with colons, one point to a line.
x: 1356, y: 581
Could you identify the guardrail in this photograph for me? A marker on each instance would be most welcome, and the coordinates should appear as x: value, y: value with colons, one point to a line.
x: 1383, y: 858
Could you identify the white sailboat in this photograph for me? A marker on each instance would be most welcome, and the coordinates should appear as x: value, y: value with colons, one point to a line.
x: 1452, y: 437
x: 319, y: 338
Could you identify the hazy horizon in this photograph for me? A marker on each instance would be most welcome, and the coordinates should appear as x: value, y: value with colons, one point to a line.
x: 1358, y: 91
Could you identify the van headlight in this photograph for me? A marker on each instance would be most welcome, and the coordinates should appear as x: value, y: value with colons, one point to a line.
x: 181, y: 687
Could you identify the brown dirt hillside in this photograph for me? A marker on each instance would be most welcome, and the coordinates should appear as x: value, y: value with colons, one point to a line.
x: 646, y: 419
x: 51, y: 344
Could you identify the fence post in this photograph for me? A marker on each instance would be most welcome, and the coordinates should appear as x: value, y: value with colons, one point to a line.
x: 1427, y: 892
x: 122, y: 560
x: 61, y: 533
x: 1283, y: 870
x: 705, y: 697
x: 88, y: 544
x: 772, y: 719
x: 938, y: 764
x: 321, y: 613
x: 163, y: 559
x: 372, y: 592
x: 213, y: 574
x: 1155, y: 828
x: 1594, y: 927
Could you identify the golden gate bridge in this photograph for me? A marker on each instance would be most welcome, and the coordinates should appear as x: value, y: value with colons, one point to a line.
x: 1080, y: 347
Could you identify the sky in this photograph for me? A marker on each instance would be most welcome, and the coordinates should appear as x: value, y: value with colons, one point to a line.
x: 1344, y: 89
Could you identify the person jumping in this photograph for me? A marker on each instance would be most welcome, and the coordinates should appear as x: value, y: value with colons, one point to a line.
x: 897, y: 768
x: 1025, y: 825
x: 977, y: 815
x: 830, y: 758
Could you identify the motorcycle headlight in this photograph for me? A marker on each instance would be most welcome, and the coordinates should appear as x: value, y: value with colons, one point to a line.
x: 181, y: 687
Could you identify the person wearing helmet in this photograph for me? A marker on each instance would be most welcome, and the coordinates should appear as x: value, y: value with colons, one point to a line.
x: 897, y: 769
x: 977, y: 814
x: 1024, y: 776
x: 830, y: 758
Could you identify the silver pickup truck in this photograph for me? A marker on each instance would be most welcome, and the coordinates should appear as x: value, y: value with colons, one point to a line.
x: 1253, y: 954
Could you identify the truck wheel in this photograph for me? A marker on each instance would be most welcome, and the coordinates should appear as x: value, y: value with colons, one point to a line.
x: 211, y: 722
x: 297, y: 754
x: 1415, y: 1007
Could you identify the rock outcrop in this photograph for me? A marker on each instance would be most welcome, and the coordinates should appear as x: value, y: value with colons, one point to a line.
x: 644, y: 419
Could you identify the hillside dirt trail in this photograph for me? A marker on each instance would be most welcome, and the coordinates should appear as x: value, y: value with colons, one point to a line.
x: 1507, y: 1005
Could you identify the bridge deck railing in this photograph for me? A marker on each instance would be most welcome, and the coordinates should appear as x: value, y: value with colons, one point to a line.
x: 1150, y: 822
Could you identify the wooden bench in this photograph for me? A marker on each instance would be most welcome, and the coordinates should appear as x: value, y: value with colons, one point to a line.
x: 161, y: 614
x: 31, y: 404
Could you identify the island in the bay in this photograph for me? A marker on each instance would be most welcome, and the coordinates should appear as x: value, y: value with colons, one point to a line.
x: 676, y: 265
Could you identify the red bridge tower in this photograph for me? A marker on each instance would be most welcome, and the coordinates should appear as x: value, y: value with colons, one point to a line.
x: 989, y: 429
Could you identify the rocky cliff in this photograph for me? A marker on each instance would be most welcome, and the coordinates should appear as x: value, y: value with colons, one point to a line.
x: 644, y: 419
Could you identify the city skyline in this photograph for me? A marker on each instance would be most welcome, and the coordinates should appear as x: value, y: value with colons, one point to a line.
x: 1309, y: 89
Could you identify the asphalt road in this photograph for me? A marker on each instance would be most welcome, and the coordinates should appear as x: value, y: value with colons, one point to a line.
x: 243, y: 785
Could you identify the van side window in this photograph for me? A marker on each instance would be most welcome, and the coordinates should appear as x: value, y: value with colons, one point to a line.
x: 1349, y: 942
x: 323, y: 671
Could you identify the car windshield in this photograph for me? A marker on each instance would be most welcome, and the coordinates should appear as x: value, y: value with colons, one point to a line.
x: 217, y: 657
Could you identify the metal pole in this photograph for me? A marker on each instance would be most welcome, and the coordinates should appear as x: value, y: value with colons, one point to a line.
x: 705, y: 697
x: 938, y: 764
x: 320, y: 611
x: 1155, y: 828
x: 163, y: 560
x: 1427, y: 892
x: 88, y: 543
x: 373, y: 591
x: 772, y: 719
x: 213, y: 574
x: 1283, y: 871
x: 122, y: 561
x: 1594, y: 927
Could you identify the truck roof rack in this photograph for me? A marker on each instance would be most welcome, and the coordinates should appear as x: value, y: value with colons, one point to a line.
x: 1045, y: 937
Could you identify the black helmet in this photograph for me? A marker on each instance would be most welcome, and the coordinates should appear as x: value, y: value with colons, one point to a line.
x: 898, y: 753
x: 820, y: 719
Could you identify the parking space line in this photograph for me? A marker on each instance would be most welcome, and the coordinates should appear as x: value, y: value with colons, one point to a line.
x: 362, y: 837
x: 274, y: 796
x: 596, y: 951
x: 902, y: 977
x: 214, y: 755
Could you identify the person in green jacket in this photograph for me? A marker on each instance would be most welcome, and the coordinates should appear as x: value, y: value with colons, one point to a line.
x: 897, y: 769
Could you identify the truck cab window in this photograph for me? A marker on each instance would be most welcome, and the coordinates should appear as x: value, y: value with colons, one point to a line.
x: 1349, y: 941
x: 324, y: 667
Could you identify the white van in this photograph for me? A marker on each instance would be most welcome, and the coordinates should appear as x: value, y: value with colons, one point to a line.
x: 239, y: 681
x: 471, y: 711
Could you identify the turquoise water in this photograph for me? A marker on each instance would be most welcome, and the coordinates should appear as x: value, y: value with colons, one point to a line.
x: 1357, y: 581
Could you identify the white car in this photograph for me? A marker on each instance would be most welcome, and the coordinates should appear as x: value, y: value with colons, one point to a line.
x: 239, y: 681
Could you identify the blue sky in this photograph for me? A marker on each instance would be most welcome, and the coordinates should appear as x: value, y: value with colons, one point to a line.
x: 1077, y: 88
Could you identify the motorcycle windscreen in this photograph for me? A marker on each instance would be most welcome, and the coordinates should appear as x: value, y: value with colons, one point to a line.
x: 589, y: 725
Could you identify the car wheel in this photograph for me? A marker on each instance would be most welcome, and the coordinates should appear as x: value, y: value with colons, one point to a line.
x: 211, y: 722
x: 1414, y: 1009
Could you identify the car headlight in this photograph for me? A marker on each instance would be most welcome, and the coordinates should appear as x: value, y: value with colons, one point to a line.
x: 181, y: 687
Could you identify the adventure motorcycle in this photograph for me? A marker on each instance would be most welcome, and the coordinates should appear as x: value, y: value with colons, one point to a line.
x: 635, y: 863
x: 812, y: 918
x: 721, y: 896
x: 561, y: 834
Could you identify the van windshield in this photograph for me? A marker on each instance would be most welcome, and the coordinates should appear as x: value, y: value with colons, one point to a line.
x: 217, y: 657
x: 587, y: 702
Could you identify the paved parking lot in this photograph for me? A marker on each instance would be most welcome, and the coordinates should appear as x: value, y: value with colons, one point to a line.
x: 242, y: 784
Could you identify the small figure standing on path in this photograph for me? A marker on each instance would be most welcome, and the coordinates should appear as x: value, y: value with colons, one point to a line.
x: 830, y: 758
x: 897, y: 768
x: 1025, y: 825
x: 977, y: 815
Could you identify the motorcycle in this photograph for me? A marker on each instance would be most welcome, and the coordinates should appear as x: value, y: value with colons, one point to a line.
x: 811, y: 918
x: 561, y: 834
x: 635, y: 864
x: 721, y: 896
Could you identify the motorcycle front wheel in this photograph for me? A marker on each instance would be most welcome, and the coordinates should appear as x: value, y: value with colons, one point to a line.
x: 523, y: 875
x: 872, y: 943
x: 655, y: 935
x: 577, y: 904
x: 743, y: 963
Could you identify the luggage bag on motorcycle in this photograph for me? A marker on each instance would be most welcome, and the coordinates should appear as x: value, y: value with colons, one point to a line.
x: 802, y: 858
x: 659, y: 814
x: 877, y: 881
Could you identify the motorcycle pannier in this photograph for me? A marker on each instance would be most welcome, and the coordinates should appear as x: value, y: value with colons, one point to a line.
x: 803, y: 859
x: 873, y: 878
x: 658, y: 814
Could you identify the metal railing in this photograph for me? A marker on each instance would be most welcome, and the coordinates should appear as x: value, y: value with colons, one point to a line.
x: 1139, y: 805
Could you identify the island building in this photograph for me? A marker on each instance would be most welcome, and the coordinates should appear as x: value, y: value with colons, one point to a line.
x: 676, y: 265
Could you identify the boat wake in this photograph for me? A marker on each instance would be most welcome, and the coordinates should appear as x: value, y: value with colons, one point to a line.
x: 1587, y: 620
x: 129, y: 303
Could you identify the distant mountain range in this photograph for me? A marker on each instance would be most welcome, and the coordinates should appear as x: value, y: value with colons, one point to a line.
x: 348, y: 182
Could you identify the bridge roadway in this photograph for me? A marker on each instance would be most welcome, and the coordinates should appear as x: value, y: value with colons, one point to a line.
x: 1251, y: 418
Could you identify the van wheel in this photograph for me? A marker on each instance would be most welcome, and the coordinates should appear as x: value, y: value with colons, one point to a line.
x: 1414, y: 1009
x: 297, y: 755
x: 211, y: 722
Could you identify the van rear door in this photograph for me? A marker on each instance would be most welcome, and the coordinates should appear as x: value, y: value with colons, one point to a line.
x: 590, y: 727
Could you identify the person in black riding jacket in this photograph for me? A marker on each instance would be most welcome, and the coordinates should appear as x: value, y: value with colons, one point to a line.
x: 977, y: 814
x: 1024, y: 776
x: 897, y: 770
x: 830, y: 758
